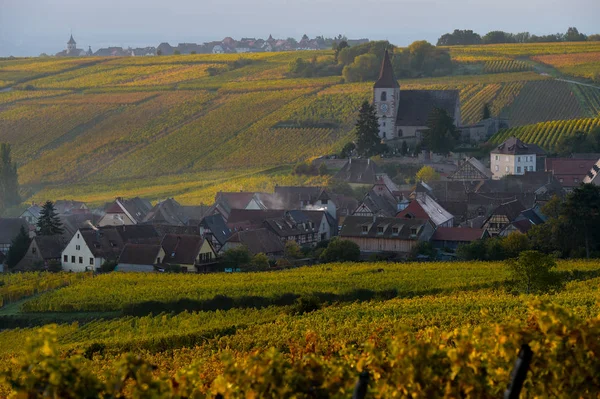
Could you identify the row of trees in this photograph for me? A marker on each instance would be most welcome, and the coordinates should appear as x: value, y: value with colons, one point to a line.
x: 579, y: 142
x: 468, y: 37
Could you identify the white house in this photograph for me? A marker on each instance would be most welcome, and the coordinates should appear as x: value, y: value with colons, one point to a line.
x: 125, y: 212
x: 78, y: 256
x: 218, y: 49
x: 513, y: 157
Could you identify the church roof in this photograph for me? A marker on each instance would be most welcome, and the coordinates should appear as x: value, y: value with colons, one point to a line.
x: 386, y: 75
x: 415, y: 106
x: 71, y: 40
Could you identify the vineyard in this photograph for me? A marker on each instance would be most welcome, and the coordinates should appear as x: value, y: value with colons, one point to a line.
x: 547, y: 134
x: 96, y: 127
x: 17, y: 286
x: 402, y: 322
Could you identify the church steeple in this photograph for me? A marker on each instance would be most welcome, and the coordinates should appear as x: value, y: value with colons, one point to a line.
x: 386, y: 74
x: 71, y: 45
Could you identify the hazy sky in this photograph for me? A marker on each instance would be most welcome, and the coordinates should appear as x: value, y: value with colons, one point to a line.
x: 30, y: 27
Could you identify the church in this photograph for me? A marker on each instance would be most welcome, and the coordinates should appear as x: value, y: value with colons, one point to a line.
x: 403, y: 114
x: 73, y: 51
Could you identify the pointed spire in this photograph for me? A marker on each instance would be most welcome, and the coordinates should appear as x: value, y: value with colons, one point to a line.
x: 71, y: 40
x: 386, y: 75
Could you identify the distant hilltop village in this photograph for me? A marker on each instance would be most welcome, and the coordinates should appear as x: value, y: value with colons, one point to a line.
x: 225, y: 46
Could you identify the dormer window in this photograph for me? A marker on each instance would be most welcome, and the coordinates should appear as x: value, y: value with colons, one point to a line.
x: 380, y: 230
x: 395, y: 231
x: 365, y: 229
x: 413, y: 231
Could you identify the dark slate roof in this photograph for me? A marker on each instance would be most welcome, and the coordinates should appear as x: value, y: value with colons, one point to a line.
x: 140, y: 254
x: 462, y: 234
x: 386, y: 74
x: 523, y: 225
x: 235, y: 200
x: 415, y: 106
x: 166, y: 212
x: 292, y: 225
x: 108, y: 242
x: 244, y: 219
x: 510, y: 209
x: 378, y: 204
x: 63, y: 207
x: 164, y: 229
x: 36, y: 210
x: 216, y: 224
x: 529, y: 182
x: 71, y: 40
x: 353, y: 227
x: 50, y: 247
x: 72, y: 223
x: 259, y: 241
x: 292, y: 197
x: 181, y: 249
x: 136, y: 207
x: 533, y: 215
x: 514, y: 146
x: 10, y: 227
x: 359, y: 171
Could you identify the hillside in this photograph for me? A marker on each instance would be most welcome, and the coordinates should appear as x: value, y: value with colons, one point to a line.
x: 175, y: 125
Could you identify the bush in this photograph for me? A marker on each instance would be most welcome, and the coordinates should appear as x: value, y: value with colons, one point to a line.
x: 108, y: 266
x: 340, y: 250
x: 54, y: 266
x: 259, y: 262
x: 305, y: 304
x: 533, y: 272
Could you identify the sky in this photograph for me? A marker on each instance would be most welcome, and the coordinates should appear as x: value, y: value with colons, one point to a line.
x: 32, y: 27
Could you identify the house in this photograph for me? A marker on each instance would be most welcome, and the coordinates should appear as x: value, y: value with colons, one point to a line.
x: 453, y: 237
x: 513, y: 157
x: 41, y: 251
x: 140, y: 258
x: 165, y: 49
x: 502, y: 216
x: 218, y: 49
x: 166, y: 212
x: 192, y: 253
x: 32, y: 214
x: 592, y: 175
x: 305, y: 228
x: 214, y: 229
x: 251, y: 219
x: 226, y: 201
x: 471, y: 170
x: 123, y: 212
x: 424, y: 207
x: 90, y: 247
x: 483, y: 130
x: 528, y: 188
x: 569, y: 172
x: 9, y: 229
x: 384, y: 234
x: 359, y: 171
x: 524, y: 221
x: 69, y: 207
x: 375, y: 204
x: 257, y: 241
x: 403, y: 115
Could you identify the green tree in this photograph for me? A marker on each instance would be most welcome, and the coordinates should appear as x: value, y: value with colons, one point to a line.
x: 404, y: 148
x: 427, y: 174
x: 49, y: 223
x: 259, y: 262
x: 292, y: 250
x: 441, y: 136
x: 367, y: 130
x: 347, y: 150
x: 533, y: 272
x: 108, y: 266
x: 18, y: 248
x: 515, y: 243
x: 573, y: 35
x: 340, y: 250
x: 9, y: 181
x: 323, y: 171
x: 54, y: 266
x: 475, y: 250
x: 338, y: 47
x: 581, y: 212
x: 237, y: 257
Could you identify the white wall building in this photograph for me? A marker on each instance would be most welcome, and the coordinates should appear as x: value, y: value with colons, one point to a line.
x: 513, y: 157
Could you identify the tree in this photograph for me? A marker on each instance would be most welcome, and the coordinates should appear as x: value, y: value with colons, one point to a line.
x: 515, y: 243
x: 54, y: 266
x: 323, y: 171
x: 49, y: 223
x: 404, y: 148
x: 364, y: 68
x: 347, y: 150
x: 581, y: 212
x: 427, y: 174
x: 159, y: 52
x: 18, y: 248
x: 340, y: 250
x: 108, y: 266
x: 441, y: 136
x: 9, y: 181
x: 573, y: 35
x: 486, y: 113
x: 259, y: 262
x: 533, y: 272
x: 475, y: 250
x: 237, y: 257
x: 367, y: 130
x: 292, y: 250
x: 338, y: 47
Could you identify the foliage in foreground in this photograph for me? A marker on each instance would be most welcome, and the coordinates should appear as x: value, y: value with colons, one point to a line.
x: 467, y: 362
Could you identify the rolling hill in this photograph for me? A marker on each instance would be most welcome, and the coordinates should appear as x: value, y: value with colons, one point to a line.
x: 185, y: 125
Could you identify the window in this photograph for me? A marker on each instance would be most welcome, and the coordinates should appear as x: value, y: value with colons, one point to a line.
x: 497, y: 168
x: 157, y: 260
x: 560, y: 180
x: 72, y: 259
x: 413, y: 230
x: 400, y: 132
x: 507, y: 169
x: 380, y: 230
x: 81, y: 260
x: 365, y: 229
x: 383, y: 96
x: 92, y: 261
x: 66, y: 258
x: 518, y: 159
x: 77, y: 247
x: 384, y: 125
x: 395, y: 231
x: 78, y: 236
x: 33, y: 250
x: 497, y: 158
x: 519, y: 169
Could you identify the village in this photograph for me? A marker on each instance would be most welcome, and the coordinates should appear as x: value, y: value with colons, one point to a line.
x: 469, y: 200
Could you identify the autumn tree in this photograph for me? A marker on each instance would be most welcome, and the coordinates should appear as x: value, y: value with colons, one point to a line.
x: 427, y: 174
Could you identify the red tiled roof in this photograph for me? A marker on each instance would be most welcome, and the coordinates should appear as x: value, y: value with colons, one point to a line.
x: 414, y: 210
x: 457, y: 234
x: 569, y: 169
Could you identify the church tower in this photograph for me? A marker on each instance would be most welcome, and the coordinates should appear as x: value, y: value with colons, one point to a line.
x: 71, y: 45
x: 386, y: 98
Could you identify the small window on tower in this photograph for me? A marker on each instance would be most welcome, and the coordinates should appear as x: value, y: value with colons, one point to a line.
x: 400, y: 132
x: 384, y: 96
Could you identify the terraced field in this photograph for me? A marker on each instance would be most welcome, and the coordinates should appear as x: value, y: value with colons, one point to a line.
x: 112, y: 121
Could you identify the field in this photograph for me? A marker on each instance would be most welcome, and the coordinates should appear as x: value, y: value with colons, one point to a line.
x: 95, y: 128
x: 221, y: 333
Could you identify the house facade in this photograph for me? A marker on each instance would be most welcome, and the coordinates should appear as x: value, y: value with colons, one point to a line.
x: 124, y: 212
x: 78, y: 256
x: 513, y: 157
